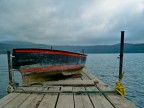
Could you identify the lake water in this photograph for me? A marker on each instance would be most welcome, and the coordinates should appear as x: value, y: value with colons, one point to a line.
x: 106, y: 68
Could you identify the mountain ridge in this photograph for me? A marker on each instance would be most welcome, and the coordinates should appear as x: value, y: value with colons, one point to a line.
x: 128, y: 47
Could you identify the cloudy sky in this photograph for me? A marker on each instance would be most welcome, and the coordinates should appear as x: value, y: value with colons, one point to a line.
x: 72, y: 22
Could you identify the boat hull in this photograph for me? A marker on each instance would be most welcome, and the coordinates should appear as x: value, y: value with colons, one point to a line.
x: 47, y: 62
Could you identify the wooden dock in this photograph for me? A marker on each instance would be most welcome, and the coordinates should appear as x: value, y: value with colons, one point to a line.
x: 84, y: 92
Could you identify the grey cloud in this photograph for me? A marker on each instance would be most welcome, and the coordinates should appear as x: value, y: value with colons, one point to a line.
x: 69, y: 22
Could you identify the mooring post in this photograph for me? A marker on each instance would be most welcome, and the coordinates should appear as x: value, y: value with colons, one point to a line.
x: 9, y: 68
x: 121, y: 55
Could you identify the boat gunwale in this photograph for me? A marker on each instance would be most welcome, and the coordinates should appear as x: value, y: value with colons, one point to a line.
x: 44, y: 50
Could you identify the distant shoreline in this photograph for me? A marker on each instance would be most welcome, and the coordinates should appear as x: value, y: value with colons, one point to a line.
x: 95, y: 49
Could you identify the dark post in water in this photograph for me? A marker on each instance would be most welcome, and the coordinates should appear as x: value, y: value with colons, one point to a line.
x: 9, y: 67
x: 121, y: 55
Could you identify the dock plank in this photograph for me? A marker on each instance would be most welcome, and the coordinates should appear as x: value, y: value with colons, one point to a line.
x: 82, y: 100
x: 117, y: 100
x: 36, y: 101
x: 65, y: 100
x: 70, y: 83
x: 29, y: 100
x: 92, y: 77
x: 20, y: 99
x: 98, y: 100
x: 16, y: 102
x: 84, y: 76
x: 8, y: 98
x: 49, y: 100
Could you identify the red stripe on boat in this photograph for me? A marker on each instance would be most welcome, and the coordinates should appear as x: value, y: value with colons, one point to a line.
x: 50, y: 68
x: 49, y: 52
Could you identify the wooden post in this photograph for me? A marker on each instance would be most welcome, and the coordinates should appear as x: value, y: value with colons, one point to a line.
x: 9, y: 68
x: 121, y: 55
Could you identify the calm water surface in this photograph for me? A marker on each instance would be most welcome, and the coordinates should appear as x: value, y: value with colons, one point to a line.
x: 105, y: 67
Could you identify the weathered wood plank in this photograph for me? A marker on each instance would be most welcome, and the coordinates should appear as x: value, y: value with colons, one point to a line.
x: 98, y: 100
x: 15, y: 103
x: 36, y: 101
x: 29, y: 100
x: 65, y: 100
x: 69, y: 83
x: 49, y: 100
x: 26, y: 89
x: 4, y: 101
x: 84, y: 76
x: 117, y: 100
x: 27, y: 103
x: 92, y: 77
x: 81, y: 101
